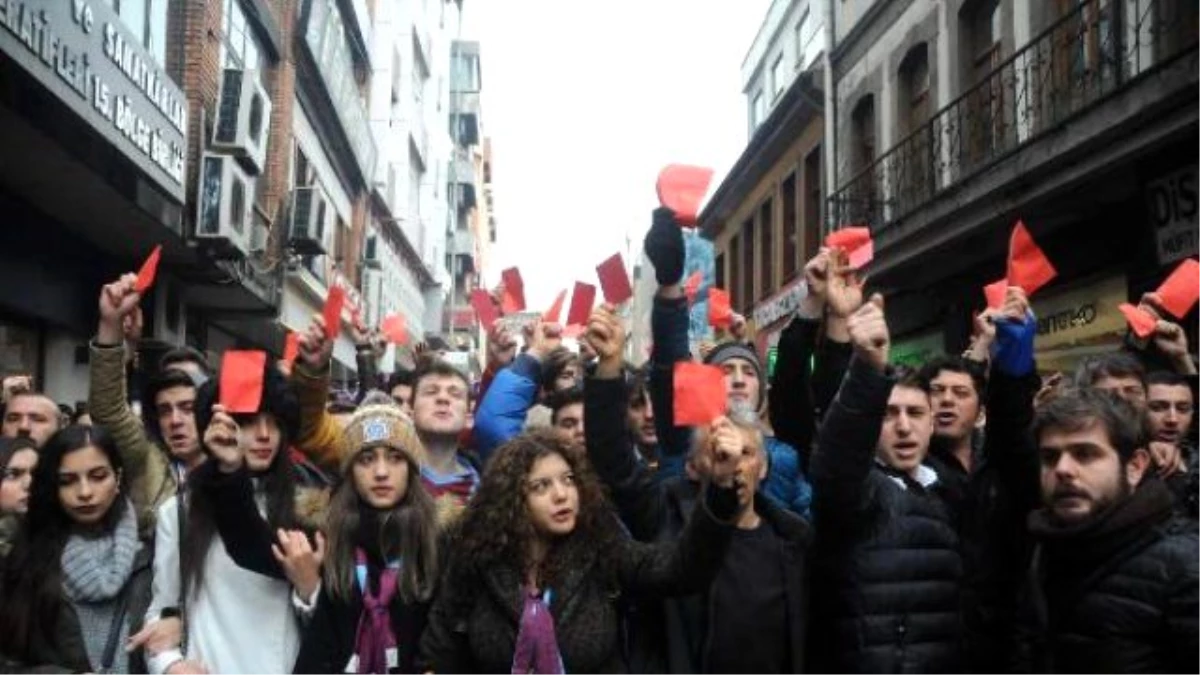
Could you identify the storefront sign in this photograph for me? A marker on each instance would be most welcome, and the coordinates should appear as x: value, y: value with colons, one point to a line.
x: 1078, y: 322
x: 781, y: 304
x: 1172, y: 204
x: 80, y: 51
x: 916, y: 351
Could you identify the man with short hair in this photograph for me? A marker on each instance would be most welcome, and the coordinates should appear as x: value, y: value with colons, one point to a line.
x: 566, y: 414
x: 31, y: 414
x: 640, y: 420
x: 1170, y: 411
x: 1115, y: 580
x: 400, y: 388
x: 187, y: 360
x: 1118, y: 372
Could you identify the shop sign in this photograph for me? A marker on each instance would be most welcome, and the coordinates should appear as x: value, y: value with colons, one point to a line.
x: 1172, y: 202
x: 82, y: 52
x: 916, y: 351
x: 1080, y: 316
x: 781, y: 304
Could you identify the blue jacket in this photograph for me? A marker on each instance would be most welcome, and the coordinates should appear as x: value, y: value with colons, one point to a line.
x: 501, y: 413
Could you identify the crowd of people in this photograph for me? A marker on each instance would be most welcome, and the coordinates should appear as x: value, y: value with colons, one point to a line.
x: 843, y: 514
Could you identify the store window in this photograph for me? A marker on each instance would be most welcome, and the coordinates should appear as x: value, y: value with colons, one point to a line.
x: 147, y: 20
x: 18, y: 350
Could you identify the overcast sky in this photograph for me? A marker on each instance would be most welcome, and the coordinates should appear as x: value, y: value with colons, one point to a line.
x: 585, y: 102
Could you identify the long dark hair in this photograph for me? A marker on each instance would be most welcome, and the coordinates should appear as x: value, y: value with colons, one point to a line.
x: 31, y: 584
x: 495, y: 528
x: 278, y: 482
x: 408, y: 531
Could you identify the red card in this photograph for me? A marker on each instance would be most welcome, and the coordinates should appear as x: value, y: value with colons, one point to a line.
x: 720, y: 314
x: 1180, y: 291
x: 485, y: 309
x: 699, y: 394
x: 995, y: 292
x: 856, y: 242
x: 693, y: 286
x: 513, y: 299
x: 1139, y: 320
x: 574, y: 331
x: 291, y: 346
x: 552, y: 315
x: 613, y: 280
x: 393, y: 328
x: 145, y: 278
x: 241, y: 383
x: 581, y: 304
x: 680, y: 188
x: 333, y: 311
x: 1028, y: 267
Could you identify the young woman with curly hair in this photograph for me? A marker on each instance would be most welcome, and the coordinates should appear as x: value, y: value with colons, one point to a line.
x: 539, y: 562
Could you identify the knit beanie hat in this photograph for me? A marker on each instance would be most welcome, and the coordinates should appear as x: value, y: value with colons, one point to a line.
x: 379, y: 423
x: 739, y: 350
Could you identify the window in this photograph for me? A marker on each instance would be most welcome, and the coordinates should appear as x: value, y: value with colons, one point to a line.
x: 779, y: 78
x: 758, y: 109
x: 414, y: 185
x: 862, y: 124
x: 735, y: 270
x: 747, y: 264
x: 986, y: 128
x: 147, y: 20
x: 302, y: 174
x: 914, y: 81
x: 239, y: 45
x: 805, y: 35
x: 813, y: 220
x: 766, y: 249
x: 791, y: 227
x: 914, y: 177
x: 720, y: 271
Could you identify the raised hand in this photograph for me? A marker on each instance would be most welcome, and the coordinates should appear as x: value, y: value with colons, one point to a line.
x: 315, y: 349
x: 606, y: 335
x: 301, y: 562
x: 726, y: 444
x: 502, y: 347
x: 869, y: 333
x: 982, y: 336
x: 1167, y: 458
x: 221, y: 439
x: 117, y: 300
x: 544, y: 338
x: 843, y: 288
x: 16, y: 384
x: 1172, y: 342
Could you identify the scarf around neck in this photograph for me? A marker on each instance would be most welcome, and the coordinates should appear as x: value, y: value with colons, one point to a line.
x: 95, y: 569
x: 375, y: 641
x: 537, y: 645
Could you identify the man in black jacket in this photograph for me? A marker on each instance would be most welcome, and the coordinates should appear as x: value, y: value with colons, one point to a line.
x: 1114, y: 583
x: 889, y: 570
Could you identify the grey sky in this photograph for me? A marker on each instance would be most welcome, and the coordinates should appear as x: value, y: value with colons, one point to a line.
x: 585, y: 102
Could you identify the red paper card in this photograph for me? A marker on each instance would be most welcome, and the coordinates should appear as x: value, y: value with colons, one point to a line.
x: 485, y: 309
x: 856, y: 242
x: 720, y: 314
x: 1028, y: 267
x: 291, y: 346
x: 513, y: 299
x: 699, y: 394
x: 552, y: 315
x: 581, y: 304
x: 613, y: 280
x: 145, y: 277
x: 1180, y: 291
x: 573, y: 331
x: 693, y: 286
x: 242, y: 380
x: 995, y: 292
x: 1139, y: 320
x: 333, y: 312
x: 680, y: 188
x: 394, y: 329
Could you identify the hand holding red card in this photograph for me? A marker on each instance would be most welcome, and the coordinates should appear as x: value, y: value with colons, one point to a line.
x: 581, y: 304
x: 699, y: 394
x: 1180, y: 291
x: 680, y: 188
x: 552, y: 315
x: 145, y: 277
x: 241, y: 383
x: 291, y: 346
x: 995, y: 292
x: 394, y: 329
x: 1140, y: 320
x: 614, y: 281
x: 1028, y: 267
x: 333, y: 312
x: 720, y: 313
x: 513, y: 299
x: 485, y: 309
x: 692, y: 286
x: 856, y: 242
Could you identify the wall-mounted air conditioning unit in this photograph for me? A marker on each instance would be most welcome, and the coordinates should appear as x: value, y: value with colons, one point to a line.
x: 309, y: 221
x: 225, y: 208
x: 243, y: 117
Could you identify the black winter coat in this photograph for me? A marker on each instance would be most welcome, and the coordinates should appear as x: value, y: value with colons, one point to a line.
x: 889, y: 569
x: 329, y: 636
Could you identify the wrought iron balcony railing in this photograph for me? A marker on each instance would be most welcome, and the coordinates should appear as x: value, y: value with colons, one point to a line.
x: 1095, y: 50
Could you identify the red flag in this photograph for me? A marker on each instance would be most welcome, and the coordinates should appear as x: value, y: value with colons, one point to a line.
x: 581, y: 304
x: 145, y: 277
x: 241, y: 382
x: 552, y: 315
x: 1028, y: 267
x: 513, y: 299
x: 1139, y: 320
x: 856, y: 242
x: 720, y: 314
x: 333, y: 311
x: 699, y: 393
x: 291, y: 346
x: 613, y: 280
x: 680, y: 188
x: 693, y: 286
x: 394, y: 329
x: 995, y: 292
x: 1180, y: 291
x: 485, y: 309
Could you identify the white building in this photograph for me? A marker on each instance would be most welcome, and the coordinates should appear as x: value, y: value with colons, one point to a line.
x: 790, y: 40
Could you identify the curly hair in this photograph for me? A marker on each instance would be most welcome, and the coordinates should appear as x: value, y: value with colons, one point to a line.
x: 496, y: 529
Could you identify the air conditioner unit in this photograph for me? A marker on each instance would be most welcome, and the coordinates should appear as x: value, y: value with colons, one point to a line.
x: 372, y: 258
x: 224, y: 217
x: 243, y: 117
x: 308, y: 226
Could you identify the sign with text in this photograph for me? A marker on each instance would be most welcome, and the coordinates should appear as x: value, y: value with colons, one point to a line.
x: 1171, y: 202
x: 82, y: 53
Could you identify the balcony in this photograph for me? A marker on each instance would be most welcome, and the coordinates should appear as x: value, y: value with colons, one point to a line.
x: 1101, y: 50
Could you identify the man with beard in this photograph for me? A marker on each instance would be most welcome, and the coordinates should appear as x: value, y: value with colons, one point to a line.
x: 1114, y: 583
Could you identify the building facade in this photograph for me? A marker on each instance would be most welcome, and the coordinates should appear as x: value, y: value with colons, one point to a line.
x: 954, y: 119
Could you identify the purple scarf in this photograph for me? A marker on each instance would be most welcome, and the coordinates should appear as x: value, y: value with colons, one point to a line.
x: 537, y: 647
x: 375, y: 642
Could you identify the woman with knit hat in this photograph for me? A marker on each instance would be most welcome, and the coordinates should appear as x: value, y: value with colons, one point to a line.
x: 381, y: 562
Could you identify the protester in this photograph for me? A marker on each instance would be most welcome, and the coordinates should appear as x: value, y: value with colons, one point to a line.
x: 30, y: 413
x: 18, y: 457
x: 77, y: 580
x: 188, y: 361
x: 1117, y: 372
x: 566, y: 414
x: 640, y: 421
x: 538, y: 563
x: 1115, y: 579
x: 400, y: 387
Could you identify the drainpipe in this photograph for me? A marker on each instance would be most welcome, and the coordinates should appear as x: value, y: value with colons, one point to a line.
x: 830, y: 110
